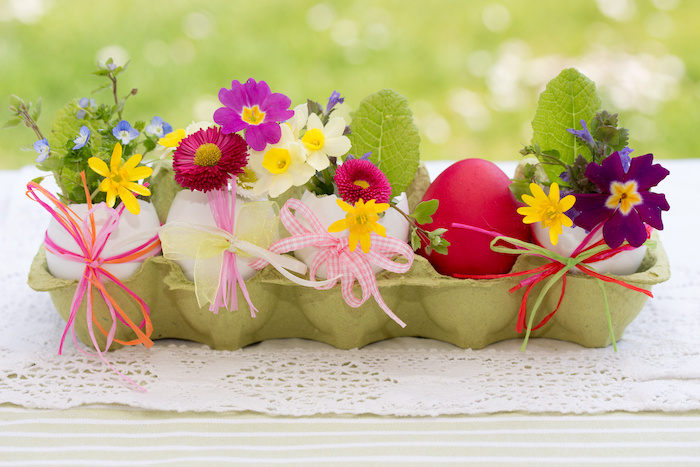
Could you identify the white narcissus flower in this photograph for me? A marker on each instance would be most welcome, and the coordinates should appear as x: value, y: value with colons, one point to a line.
x: 326, y: 141
x: 298, y: 121
x: 280, y: 166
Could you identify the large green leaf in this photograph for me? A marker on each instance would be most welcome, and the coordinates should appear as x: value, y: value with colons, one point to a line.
x: 567, y: 99
x: 383, y: 125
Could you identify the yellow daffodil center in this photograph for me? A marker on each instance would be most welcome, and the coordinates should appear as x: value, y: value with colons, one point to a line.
x: 252, y: 115
x: 313, y: 139
x: 623, y: 195
x: 361, y: 183
x: 207, y: 155
x: 277, y: 160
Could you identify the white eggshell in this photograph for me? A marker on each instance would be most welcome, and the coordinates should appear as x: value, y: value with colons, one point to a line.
x: 327, y: 211
x: 624, y: 263
x: 193, y: 207
x: 133, y: 230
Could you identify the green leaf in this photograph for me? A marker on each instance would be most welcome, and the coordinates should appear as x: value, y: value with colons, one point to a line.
x: 13, y: 122
x: 383, y: 125
x: 415, y: 240
x: 567, y: 99
x: 15, y: 101
x: 36, y: 110
x: 424, y: 210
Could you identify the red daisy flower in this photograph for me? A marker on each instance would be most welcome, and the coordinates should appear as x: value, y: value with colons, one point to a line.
x: 207, y: 159
x: 361, y: 179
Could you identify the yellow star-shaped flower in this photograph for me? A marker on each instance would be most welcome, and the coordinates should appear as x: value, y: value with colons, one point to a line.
x: 120, y: 178
x: 549, y: 210
x: 361, y: 220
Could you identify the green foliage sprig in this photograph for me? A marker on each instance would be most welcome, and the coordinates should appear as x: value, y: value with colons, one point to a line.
x: 65, y: 162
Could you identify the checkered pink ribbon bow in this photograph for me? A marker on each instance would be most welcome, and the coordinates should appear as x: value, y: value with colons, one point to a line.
x: 341, y: 263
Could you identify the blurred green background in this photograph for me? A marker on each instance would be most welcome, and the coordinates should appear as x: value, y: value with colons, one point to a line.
x: 471, y: 70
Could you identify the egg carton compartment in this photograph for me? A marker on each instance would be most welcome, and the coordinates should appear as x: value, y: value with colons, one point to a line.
x: 465, y: 312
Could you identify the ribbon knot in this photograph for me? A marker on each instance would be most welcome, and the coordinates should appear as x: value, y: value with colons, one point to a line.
x: 91, y: 242
x: 556, y: 268
x: 341, y: 263
x: 215, y: 249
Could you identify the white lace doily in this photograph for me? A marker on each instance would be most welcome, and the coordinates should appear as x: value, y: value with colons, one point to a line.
x: 657, y: 366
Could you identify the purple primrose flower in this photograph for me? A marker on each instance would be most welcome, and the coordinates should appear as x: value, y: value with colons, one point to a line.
x: 253, y: 108
x: 124, y: 133
x: 82, y: 138
x: 625, y: 203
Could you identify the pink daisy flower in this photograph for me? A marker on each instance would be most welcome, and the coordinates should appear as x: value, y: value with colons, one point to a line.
x: 253, y: 108
x: 361, y: 179
x: 207, y: 159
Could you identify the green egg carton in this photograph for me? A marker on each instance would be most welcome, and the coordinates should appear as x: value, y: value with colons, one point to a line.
x: 464, y: 312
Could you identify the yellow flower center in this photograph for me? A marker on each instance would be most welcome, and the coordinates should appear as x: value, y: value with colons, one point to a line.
x: 252, y: 115
x: 623, y: 195
x: 277, y: 160
x: 207, y: 154
x: 361, y: 183
x: 313, y: 139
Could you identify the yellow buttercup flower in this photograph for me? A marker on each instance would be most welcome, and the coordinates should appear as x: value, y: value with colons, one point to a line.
x: 172, y: 139
x: 361, y: 220
x: 120, y: 178
x: 549, y: 210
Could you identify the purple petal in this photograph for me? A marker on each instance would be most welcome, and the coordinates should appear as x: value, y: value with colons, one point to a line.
x: 256, y: 92
x: 622, y: 227
x: 644, y: 173
x: 276, y: 103
x: 592, y: 210
x: 651, y: 208
x: 229, y: 120
x: 255, y: 138
x: 583, y: 134
x: 263, y: 134
x: 608, y: 171
x: 625, y: 158
x: 235, y: 98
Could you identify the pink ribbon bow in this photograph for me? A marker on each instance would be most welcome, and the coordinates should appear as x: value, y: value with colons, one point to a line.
x: 223, y: 207
x: 91, y: 242
x: 341, y: 263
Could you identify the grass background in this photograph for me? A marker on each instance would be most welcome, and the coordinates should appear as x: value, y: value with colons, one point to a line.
x: 471, y: 70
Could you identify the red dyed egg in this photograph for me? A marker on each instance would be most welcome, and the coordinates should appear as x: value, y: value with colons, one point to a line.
x: 474, y: 192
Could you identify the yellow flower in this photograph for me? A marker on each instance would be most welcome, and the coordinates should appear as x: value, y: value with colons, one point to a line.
x: 549, y: 210
x: 172, y: 139
x: 120, y: 178
x: 361, y: 220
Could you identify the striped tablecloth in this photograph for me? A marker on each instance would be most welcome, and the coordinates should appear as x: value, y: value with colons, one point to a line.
x: 124, y: 437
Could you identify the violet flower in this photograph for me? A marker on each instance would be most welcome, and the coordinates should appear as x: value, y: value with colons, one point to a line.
x: 82, y: 139
x: 333, y: 101
x: 625, y: 203
x: 124, y: 132
x: 253, y: 108
x: 583, y: 134
x: 42, y: 149
x: 158, y: 127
